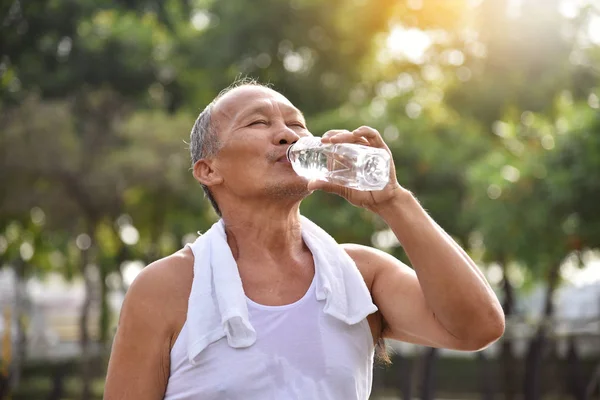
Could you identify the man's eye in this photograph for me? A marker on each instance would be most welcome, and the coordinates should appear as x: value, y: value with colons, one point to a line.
x: 258, y: 122
x: 298, y: 124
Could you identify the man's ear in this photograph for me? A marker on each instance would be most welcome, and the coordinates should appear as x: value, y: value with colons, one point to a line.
x: 205, y: 173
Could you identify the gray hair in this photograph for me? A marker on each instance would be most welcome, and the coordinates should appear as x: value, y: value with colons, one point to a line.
x: 204, y: 141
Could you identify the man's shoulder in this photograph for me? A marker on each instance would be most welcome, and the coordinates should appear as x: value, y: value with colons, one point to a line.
x: 366, y: 255
x: 369, y: 260
x: 166, y: 274
x: 363, y: 257
x: 162, y: 288
x: 356, y: 250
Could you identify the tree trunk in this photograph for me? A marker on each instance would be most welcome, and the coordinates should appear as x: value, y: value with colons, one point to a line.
x: 575, y: 383
x: 84, y: 335
x: 6, y: 354
x: 486, y: 378
x: 104, y: 321
x: 428, y: 381
x: 593, y: 387
x: 533, y: 366
x: 404, y: 381
x: 105, y: 311
x: 58, y: 384
x: 20, y: 350
x: 537, y: 345
x: 3, y: 387
x: 508, y: 357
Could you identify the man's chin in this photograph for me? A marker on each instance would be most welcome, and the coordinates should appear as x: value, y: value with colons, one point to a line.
x: 298, y: 188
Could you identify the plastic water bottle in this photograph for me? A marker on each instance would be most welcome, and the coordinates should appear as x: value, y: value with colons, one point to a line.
x: 347, y: 164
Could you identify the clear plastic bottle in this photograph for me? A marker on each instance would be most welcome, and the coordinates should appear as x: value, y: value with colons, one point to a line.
x: 346, y: 164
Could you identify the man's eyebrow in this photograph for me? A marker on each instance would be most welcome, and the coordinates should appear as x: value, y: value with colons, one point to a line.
x: 294, y: 110
x: 263, y: 108
x: 260, y: 109
x: 302, y: 117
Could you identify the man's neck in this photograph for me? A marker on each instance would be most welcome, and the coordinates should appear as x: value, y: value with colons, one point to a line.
x: 265, y: 232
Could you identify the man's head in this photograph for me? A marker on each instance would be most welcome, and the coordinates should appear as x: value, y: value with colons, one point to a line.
x: 238, y: 145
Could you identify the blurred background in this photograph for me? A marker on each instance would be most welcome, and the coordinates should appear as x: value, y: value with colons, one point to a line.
x: 491, y: 108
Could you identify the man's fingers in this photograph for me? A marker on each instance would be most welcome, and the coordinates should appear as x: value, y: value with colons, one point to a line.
x: 369, y: 134
x: 364, y: 135
x: 317, y: 184
x: 345, y: 137
x: 366, y: 131
x: 326, y: 187
x: 333, y: 132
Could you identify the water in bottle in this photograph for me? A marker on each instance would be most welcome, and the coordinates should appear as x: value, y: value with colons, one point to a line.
x: 346, y: 164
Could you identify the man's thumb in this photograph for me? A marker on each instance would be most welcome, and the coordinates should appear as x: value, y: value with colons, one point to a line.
x: 317, y: 184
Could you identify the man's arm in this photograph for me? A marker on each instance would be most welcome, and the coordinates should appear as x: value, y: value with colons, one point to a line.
x: 446, y: 301
x: 140, y: 356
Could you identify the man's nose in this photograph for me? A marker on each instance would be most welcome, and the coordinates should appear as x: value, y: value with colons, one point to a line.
x: 286, y: 136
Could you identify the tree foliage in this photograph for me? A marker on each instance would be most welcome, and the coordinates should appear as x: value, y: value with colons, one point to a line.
x: 493, y: 124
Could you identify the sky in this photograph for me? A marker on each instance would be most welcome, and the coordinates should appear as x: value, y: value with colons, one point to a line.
x: 412, y: 44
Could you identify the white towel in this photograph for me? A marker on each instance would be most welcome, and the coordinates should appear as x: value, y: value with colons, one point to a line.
x: 217, y: 305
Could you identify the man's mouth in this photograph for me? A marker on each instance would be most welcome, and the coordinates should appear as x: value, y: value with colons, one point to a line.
x: 283, y: 159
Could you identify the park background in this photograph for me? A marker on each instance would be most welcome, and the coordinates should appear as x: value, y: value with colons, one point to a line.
x: 490, y: 107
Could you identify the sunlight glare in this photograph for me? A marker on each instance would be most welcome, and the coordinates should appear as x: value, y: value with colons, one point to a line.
x: 130, y: 270
x: 408, y: 43
x: 568, y: 9
x: 588, y: 275
x: 594, y: 29
x: 200, y: 20
x: 129, y: 234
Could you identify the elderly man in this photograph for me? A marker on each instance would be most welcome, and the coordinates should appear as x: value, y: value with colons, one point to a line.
x: 288, y: 321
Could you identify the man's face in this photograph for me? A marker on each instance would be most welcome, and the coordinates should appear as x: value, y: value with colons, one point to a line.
x: 255, y: 126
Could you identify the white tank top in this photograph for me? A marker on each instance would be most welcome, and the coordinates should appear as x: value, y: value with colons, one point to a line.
x: 300, y: 353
